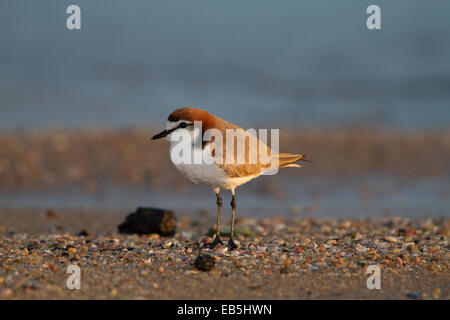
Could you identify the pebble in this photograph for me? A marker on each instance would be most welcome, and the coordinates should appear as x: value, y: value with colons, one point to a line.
x: 414, y: 295
x: 382, y: 245
x: 204, y: 262
x: 362, y: 250
x: 191, y: 272
x: 167, y: 244
x: 72, y: 250
x: 261, y: 248
x: 321, y: 264
x: 83, y: 233
x: 186, y: 234
x: 391, y: 239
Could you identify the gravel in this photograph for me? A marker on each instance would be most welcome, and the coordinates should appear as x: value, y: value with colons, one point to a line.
x: 307, y: 259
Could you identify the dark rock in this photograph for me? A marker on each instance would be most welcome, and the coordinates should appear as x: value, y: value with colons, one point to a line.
x: 204, y: 262
x: 34, y: 245
x: 83, y: 233
x: 149, y: 220
x: 285, y: 270
x: 11, y: 234
x: 414, y: 295
x: 52, y: 214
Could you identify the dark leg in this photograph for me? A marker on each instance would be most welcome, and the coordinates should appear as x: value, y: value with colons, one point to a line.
x: 231, y: 244
x: 217, y: 240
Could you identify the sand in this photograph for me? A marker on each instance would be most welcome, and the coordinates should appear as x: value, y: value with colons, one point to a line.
x: 278, y: 258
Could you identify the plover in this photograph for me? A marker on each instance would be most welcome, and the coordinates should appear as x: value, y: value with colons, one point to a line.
x: 221, y: 174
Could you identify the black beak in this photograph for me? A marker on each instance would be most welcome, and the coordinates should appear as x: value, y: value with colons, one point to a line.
x: 160, y: 135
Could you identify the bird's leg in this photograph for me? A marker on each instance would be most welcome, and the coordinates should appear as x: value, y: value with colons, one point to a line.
x: 231, y: 244
x: 217, y: 240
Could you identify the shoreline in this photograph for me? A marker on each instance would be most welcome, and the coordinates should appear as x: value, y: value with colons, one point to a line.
x: 48, y: 158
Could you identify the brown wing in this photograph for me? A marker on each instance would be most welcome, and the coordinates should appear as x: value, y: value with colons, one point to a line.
x: 246, y: 167
x: 261, y: 161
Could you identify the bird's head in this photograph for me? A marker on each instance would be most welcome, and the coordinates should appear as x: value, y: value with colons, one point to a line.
x: 183, y: 118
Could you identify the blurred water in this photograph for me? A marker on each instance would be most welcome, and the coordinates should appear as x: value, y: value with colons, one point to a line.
x: 366, y: 197
x: 296, y: 62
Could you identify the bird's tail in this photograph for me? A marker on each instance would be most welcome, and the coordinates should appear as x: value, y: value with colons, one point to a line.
x: 286, y: 160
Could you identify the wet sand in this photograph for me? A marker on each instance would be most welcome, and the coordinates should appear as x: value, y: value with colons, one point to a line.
x: 300, y: 258
x: 88, y: 158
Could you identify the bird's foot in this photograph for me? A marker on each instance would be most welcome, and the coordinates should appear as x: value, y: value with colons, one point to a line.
x: 215, y: 242
x: 231, y: 245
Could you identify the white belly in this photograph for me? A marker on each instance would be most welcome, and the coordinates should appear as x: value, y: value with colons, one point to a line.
x: 210, y: 174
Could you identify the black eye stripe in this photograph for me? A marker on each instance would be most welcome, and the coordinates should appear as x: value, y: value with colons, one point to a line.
x: 181, y: 125
x: 184, y: 125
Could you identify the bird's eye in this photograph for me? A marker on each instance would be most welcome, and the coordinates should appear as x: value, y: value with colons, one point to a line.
x: 183, y: 125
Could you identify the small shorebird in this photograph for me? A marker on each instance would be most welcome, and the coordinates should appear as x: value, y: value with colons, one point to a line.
x: 220, y: 175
